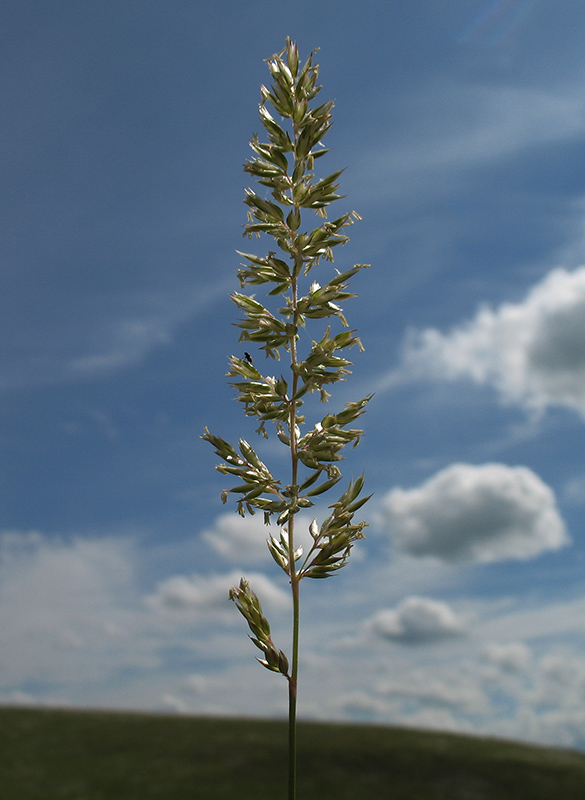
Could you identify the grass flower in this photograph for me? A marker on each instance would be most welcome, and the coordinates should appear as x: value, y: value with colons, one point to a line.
x: 290, y: 195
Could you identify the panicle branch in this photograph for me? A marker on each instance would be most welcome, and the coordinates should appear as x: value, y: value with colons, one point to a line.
x: 249, y: 606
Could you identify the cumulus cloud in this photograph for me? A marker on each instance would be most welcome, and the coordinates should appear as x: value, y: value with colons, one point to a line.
x: 241, y: 539
x: 531, y: 352
x: 205, y: 592
x: 484, y: 513
x: 417, y: 620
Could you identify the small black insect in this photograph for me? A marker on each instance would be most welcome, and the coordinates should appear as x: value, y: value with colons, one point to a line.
x: 248, y: 358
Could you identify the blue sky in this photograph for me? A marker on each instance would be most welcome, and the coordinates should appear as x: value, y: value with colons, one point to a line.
x: 461, y: 128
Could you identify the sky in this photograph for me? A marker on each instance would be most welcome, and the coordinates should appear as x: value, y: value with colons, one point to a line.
x: 461, y: 129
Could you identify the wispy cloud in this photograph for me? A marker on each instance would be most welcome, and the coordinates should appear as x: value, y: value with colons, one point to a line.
x: 464, y: 127
x: 117, y: 335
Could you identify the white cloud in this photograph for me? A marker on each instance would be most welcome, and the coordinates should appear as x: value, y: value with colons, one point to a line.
x: 560, y: 682
x: 551, y: 619
x: 206, y: 592
x: 73, y: 620
x: 427, y: 691
x: 484, y: 513
x: 564, y: 728
x: 511, y: 657
x: 66, y: 610
x: 532, y: 352
x: 417, y: 620
x: 241, y: 539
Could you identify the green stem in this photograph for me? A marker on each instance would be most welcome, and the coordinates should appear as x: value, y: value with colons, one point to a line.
x: 292, y: 697
x: 294, y: 575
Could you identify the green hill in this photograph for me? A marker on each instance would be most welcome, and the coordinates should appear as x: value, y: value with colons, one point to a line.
x: 87, y: 755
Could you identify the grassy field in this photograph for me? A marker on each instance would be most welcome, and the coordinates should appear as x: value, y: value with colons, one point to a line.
x: 82, y: 755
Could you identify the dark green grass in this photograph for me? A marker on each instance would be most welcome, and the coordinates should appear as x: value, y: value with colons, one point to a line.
x: 83, y: 755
